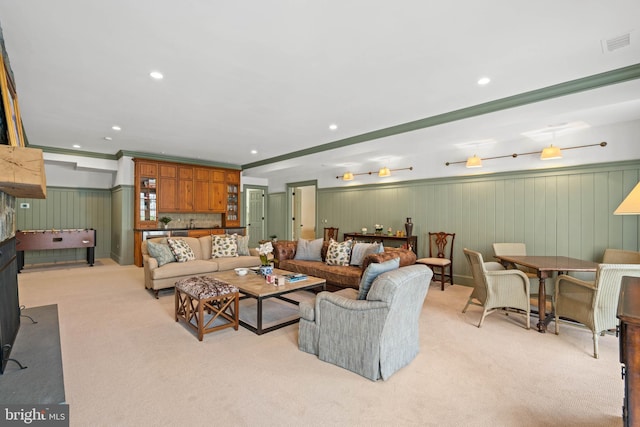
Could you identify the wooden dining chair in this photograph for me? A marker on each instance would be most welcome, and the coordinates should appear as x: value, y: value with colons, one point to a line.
x: 440, y: 258
x: 331, y: 233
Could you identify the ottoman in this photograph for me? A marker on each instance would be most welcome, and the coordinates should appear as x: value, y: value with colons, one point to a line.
x: 196, y: 294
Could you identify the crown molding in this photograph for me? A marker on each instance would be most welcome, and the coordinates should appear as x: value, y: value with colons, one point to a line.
x: 595, y: 81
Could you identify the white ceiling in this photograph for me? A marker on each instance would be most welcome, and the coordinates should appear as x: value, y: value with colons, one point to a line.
x: 272, y: 75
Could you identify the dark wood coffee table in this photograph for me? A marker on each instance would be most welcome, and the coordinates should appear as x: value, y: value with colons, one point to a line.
x: 255, y: 286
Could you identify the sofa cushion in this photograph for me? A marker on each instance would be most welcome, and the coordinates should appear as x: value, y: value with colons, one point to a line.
x: 309, y: 250
x: 339, y: 253
x: 373, y: 271
x: 161, y: 252
x: 346, y: 276
x: 224, y: 246
x: 229, y: 263
x: 184, y: 269
x: 181, y: 250
x: 360, y: 250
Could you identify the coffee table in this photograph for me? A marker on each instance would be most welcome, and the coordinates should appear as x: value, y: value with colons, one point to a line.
x: 255, y: 286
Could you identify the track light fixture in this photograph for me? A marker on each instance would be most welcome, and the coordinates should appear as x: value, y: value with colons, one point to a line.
x: 383, y: 172
x: 548, y: 153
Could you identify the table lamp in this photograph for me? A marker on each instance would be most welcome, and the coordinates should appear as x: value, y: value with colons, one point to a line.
x: 631, y: 204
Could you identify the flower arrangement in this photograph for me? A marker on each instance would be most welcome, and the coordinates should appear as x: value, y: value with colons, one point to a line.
x: 379, y: 228
x: 264, y: 250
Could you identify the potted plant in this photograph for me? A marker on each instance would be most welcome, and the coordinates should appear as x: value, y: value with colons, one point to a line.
x: 165, y: 220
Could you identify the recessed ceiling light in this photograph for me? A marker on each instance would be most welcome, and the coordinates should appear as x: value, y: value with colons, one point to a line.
x: 116, y: 127
x: 76, y: 146
x: 108, y: 138
x: 483, y: 81
x: 333, y: 126
x: 156, y: 75
x: 254, y: 151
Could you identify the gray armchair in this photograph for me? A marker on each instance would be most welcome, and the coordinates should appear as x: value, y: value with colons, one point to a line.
x: 594, y: 304
x: 373, y: 337
x: 494, y: 287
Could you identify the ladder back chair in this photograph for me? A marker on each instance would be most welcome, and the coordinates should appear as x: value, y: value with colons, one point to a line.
x: 331, y: 233
x: 440, y: 258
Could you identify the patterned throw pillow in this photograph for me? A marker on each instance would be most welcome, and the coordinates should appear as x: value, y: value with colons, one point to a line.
x: 339, y: 253
x: 224, y: 246
x: 243, y: 245
x: 161, y: 252
x: 181, y: 250
x: 372, y: 272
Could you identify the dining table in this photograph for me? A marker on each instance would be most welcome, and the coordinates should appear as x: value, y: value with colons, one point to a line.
x: 545, y: 267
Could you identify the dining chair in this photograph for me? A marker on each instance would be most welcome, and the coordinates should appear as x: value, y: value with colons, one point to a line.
x: 331, y: 233
x: 495, y: 287
x: 594, y: 304
x: 440, y: 258
x: 520, y: 249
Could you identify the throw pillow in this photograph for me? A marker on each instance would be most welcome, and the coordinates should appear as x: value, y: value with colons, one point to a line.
x: 181, y: 250
x: 243, y: 245
x: 339, y: 253
x: 361, y: 250
x: 309, y: 250
x: 161, y: 252
x: 372, y: 272
x: 224, y: 246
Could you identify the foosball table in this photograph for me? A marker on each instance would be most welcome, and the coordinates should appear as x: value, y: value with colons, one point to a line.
x: 38, y: 240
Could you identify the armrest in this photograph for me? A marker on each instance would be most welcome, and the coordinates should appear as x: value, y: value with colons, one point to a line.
x: 284, y: 249
x: 340, y: 303
x: 567, y: 284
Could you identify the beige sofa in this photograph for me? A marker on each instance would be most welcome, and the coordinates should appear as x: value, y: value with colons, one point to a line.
x: 156, y: 278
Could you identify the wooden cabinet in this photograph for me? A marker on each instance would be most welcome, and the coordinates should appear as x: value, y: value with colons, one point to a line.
x: 629, y: 315
x: 199, y: 232
x: 168, y: 187
x: 146, y: 200
x: 209, y: 190
x: 185, y: 189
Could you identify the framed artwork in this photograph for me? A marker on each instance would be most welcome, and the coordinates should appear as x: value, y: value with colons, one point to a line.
x: 12, y: 121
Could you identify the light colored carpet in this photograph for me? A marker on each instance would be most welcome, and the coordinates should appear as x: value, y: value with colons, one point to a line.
x: 128, y: 363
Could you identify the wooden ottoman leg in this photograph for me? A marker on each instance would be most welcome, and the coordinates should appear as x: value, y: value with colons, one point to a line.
x: 200, y: 320
x: 236, y: 317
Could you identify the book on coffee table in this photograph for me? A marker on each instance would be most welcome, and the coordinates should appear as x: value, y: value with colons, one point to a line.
x: 295, y: 277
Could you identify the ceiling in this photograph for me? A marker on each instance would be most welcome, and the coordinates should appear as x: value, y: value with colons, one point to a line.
x: 271, y: 76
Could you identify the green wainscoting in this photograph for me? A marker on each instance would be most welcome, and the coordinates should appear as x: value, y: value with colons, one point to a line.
x: 566, y: 211
x: 122, y: 199
x: 68, y: 208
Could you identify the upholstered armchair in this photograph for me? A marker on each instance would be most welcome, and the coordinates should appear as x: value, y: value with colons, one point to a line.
x: 373, y: 337
x: 594, y: 304
x: 494, y: 287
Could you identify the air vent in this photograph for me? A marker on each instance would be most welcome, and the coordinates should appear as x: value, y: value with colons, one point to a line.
x: 616, y: 43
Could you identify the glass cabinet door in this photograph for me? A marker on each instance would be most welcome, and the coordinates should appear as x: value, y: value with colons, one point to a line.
x: 148, y: 205
x: 232, y: 203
